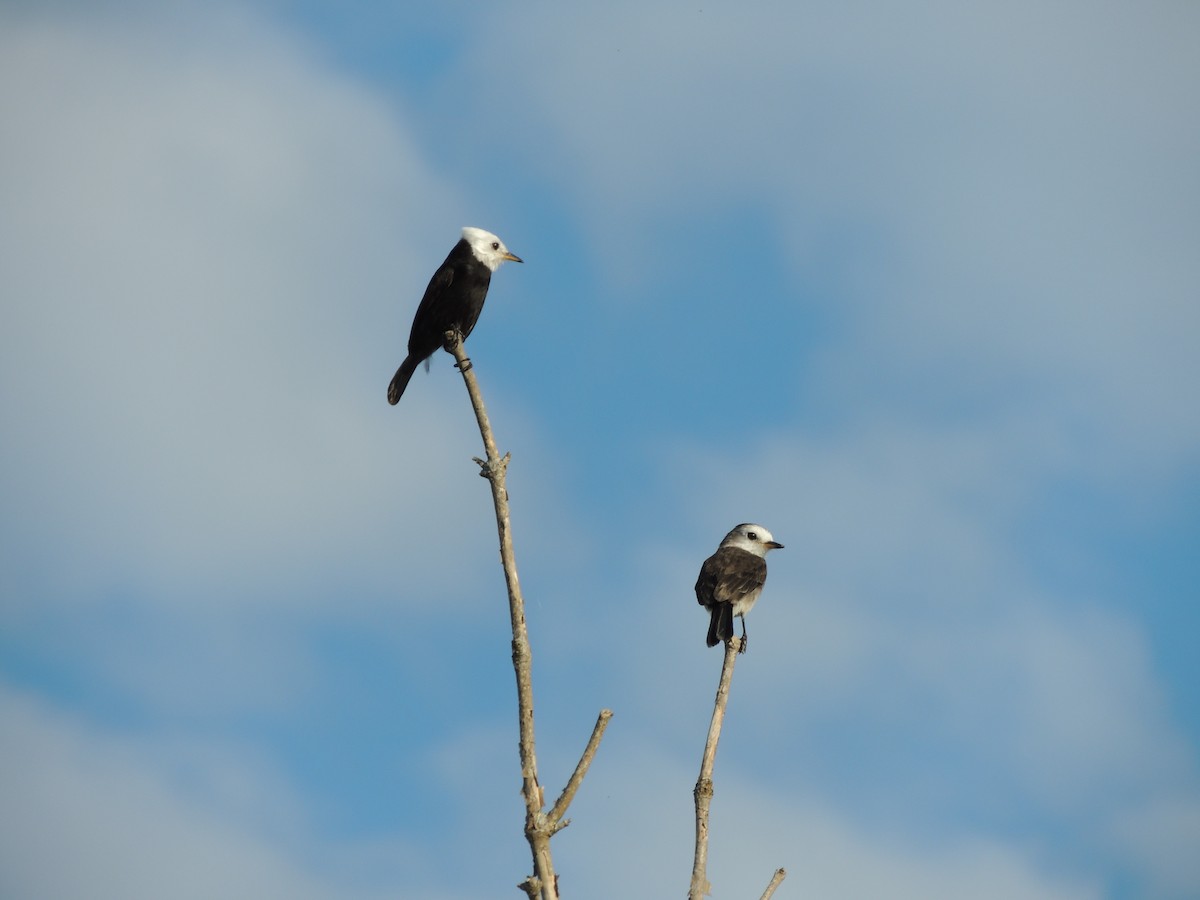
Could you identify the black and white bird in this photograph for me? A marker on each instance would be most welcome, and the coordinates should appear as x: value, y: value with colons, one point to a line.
x: 732, y: 578
x: 452, y: 301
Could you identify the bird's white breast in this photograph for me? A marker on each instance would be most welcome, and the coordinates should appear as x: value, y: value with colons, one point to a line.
x: 744, y: 604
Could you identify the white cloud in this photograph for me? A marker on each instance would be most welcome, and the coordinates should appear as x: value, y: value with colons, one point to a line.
x: 907, y: 665
x: 996, y: 209
x: 212, y: 241
x: 201, y: 215
x: 756, y: 828
x: 1161, y: 833
x: 89, y: 814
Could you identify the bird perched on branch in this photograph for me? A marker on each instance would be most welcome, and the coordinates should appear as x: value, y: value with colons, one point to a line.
x: 732, y: 578
x: 452, y: 301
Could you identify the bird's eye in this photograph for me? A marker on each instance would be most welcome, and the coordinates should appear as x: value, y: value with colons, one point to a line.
x: 753, y: 535
x: 495, y: 245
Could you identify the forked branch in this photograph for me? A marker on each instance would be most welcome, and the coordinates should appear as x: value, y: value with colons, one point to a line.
x: 539, y: 826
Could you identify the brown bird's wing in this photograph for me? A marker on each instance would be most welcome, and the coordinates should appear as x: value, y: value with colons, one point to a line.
x: 706, y: 582
x: 729, y: 575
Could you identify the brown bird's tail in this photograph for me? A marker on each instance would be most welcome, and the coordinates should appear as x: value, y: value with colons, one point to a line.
x: 400, y: 379
x: 720, y: 626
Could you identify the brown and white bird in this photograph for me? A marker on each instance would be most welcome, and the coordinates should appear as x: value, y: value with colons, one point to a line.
x: 732, y: 578
x: 453, y: 300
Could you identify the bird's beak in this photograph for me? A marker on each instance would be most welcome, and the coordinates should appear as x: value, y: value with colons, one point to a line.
x: 774, y: 545
x: 513, y: 257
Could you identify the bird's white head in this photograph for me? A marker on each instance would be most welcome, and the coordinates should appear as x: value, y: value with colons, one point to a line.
x: 751, y: 538
x: 488, y: 248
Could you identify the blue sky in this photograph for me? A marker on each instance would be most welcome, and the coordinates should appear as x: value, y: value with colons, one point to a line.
x: 917, y: 288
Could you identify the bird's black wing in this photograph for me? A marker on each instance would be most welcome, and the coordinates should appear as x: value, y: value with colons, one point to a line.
x: 423, y: 328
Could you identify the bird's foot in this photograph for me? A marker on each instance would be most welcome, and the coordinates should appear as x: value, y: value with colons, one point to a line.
x: 452, y: 338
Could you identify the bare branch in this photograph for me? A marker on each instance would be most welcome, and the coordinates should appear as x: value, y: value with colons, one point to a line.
x: 539, y: 827
x: 703, y: 792
x: 557, y: 822
x: 543, y: 884
x: 776, y: 880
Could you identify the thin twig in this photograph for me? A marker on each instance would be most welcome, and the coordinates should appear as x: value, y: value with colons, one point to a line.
x: 776, y: 880
x: 557, y: 822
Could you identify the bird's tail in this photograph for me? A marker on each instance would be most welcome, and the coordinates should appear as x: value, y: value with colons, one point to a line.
x: 720, y: 626
x: 400, y: 379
